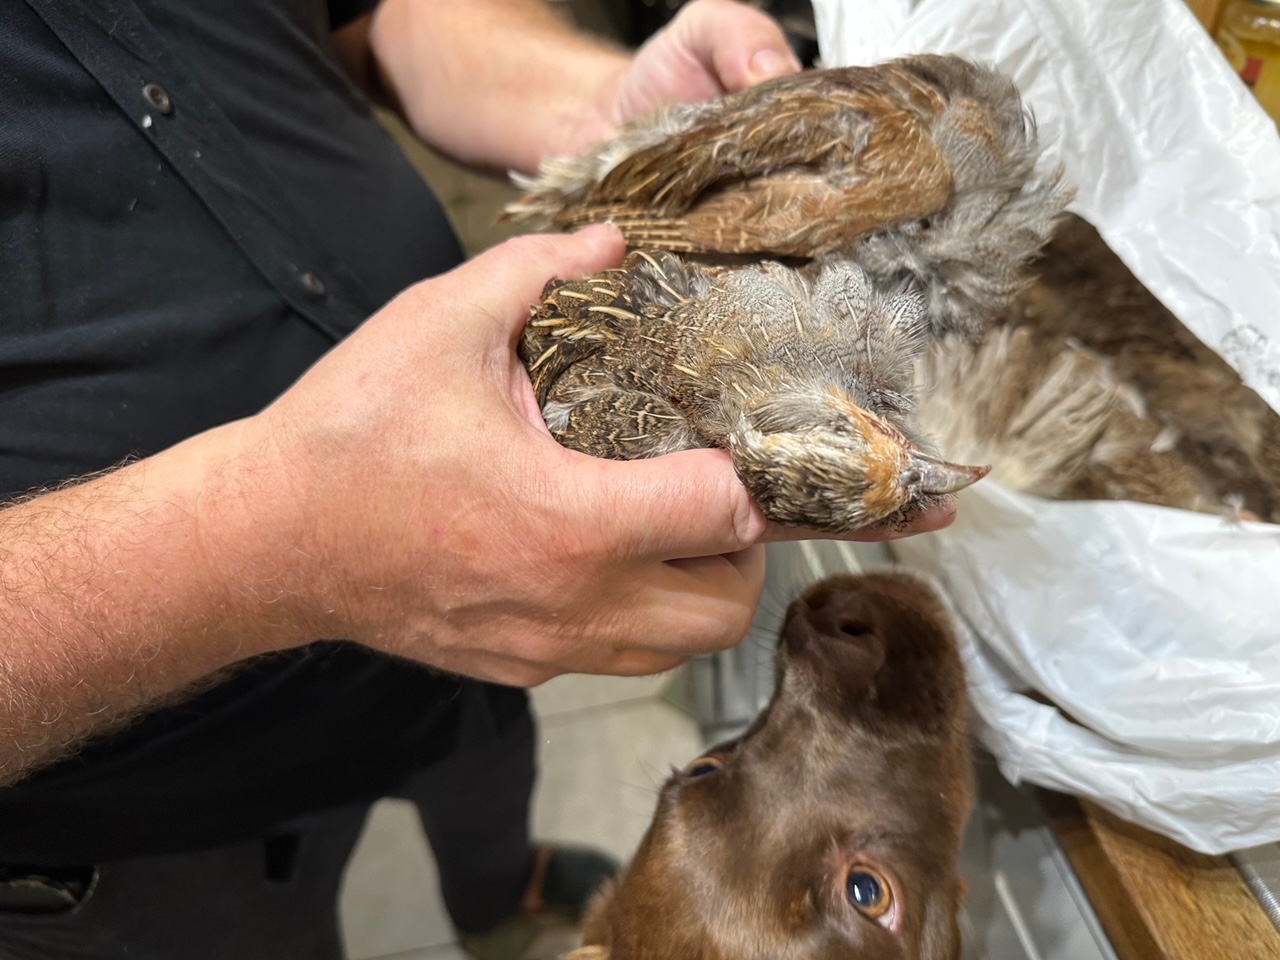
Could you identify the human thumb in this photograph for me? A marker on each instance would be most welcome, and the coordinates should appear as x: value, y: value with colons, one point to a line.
x: 687, y: 504
x: 509, y: 278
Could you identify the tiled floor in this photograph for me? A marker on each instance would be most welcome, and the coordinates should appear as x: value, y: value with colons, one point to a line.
x: 605, y: 746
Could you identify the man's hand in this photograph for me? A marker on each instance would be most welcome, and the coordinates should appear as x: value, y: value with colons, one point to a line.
x: 504, y: 84
x: 711, y: 48
x: 445, y: 523
x: 405, y: 494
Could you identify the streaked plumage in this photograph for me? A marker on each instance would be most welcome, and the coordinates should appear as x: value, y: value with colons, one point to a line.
x: 924, y: 167
x: 804, y: 376
x: 1089, y: 388
x: 1053, y: 421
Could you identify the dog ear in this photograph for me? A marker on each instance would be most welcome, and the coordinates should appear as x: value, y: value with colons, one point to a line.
x: 597, y: 951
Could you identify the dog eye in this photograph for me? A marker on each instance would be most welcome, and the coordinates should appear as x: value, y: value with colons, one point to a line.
x: 703, y: 766
x: 869, y: 892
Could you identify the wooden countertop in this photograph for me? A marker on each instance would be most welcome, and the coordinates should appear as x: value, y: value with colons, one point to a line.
x: 1158, y: 900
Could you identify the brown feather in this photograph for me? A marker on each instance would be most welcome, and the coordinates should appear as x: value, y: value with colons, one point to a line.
x: 852, y: 144
x: 1221, y: 430
x: 923, y: 168
x: 803, y: 376
x: 1089, y: 388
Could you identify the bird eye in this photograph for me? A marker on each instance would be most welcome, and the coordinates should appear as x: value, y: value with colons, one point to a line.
x: 910, y: 478
x: 869, y: 892
x: 702, y: 767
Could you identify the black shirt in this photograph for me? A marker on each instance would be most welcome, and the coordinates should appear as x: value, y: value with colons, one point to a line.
x: 196, y: 203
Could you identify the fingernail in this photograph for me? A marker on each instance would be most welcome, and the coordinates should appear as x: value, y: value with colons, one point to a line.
x: 771, y: 63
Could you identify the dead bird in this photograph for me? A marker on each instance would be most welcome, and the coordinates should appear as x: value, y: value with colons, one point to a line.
x: 805, y: 376
x: 913, y: 190
x: 1182, y: 395
x: 1089, y: 388
x: 831, y: 828
x: 1054, y: 421
x: 922, y: 168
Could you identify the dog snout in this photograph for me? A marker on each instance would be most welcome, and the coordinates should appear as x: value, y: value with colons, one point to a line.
x: 835, y: 632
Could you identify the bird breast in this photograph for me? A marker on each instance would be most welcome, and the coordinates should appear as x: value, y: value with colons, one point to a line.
x: 716, y: 343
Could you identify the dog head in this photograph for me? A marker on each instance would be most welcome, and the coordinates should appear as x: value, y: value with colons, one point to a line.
x: 830, y: 830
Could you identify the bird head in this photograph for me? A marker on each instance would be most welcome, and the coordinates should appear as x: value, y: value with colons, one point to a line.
x: 817, y: 459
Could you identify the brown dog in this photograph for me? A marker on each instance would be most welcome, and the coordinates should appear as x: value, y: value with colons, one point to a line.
x: 831, y: 828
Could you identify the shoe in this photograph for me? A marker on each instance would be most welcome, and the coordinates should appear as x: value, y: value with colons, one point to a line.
x: 545, y: 927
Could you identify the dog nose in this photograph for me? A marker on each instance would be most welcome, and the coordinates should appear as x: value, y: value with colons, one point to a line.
x: 835, y: 631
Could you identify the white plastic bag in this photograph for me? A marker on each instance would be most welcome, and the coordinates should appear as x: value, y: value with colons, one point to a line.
x: 1156, y: 630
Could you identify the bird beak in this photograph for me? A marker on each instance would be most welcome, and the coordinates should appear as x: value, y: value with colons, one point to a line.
x: 931, y: 476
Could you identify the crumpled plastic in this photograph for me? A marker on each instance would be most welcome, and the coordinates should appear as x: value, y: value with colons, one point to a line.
x: 1155, y: 633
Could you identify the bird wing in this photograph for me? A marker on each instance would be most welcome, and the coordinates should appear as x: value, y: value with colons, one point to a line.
x: 796, y: 166
x: 617, y: 422
x: 571, y: 325
x: 595, y: 349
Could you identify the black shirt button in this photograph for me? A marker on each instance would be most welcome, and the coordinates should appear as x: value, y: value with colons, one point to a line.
x: 158, y: 97
x: 313, y: 284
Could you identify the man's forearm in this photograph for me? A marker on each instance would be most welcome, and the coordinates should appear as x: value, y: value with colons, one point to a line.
x: 115, y: 594
x: 496, y: 83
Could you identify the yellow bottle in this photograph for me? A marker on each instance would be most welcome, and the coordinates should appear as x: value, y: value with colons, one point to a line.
x: 1249, y: 34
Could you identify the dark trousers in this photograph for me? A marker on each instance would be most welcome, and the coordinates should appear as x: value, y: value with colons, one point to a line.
x: 275, y: 898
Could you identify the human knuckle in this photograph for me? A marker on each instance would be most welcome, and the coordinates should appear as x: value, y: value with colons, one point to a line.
x: 744, y: 523
x: 744, y: 526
